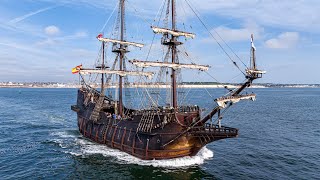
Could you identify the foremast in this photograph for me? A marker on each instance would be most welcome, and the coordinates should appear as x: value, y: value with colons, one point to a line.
x: 234, y: 96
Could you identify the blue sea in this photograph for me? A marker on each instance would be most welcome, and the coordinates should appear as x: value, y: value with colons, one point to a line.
x: 279, y: 139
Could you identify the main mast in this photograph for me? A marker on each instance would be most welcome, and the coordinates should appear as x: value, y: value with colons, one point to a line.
x: 122, y: 52
x: 173, y: 52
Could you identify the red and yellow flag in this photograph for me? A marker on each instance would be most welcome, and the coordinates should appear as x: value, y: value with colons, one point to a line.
x: 76, y: 69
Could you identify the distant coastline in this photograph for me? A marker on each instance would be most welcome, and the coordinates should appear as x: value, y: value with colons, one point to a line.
x: 134, y: 85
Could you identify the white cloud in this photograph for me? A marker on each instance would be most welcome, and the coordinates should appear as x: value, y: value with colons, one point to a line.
x: 283, y: 41
x: 21, y: 18
x: 53, y: 41
x: 286, y: 13
x: 241, y: 34
x: 52, y: 30
x: 301, y: 15
x: 46, y: 42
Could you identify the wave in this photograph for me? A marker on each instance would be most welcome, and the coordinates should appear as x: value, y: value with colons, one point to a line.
x: 86, y: 148
x: 89, y: 148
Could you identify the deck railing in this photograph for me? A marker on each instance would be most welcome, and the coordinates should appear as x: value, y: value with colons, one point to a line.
x: 214, y: 129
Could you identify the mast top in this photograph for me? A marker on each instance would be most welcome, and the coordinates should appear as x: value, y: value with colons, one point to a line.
x: 253, y: 72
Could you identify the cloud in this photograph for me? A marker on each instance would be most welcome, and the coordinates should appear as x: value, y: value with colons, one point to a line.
x: 80, y: 34
x: 283, y: 41
x: 30, y: 50
x: 291, y: 15
x: 83, y: 53
x: 53, y: 41
x: 294, y: 15
x: 21, y: 18
x: 52, y: 30
x: 240, y: 34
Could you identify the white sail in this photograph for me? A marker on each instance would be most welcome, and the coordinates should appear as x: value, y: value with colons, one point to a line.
x: 222, y: 101
x: 120, y: 42
x: 120, y: 73
x: 170, y: 65
x: 158, y: 30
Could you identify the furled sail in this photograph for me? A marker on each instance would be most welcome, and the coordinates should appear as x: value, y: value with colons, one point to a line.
x: 253, y: 71
x: 170, y: 65
x: 158, y: 30
x: 100, y: 38
x: 120, y: 73
x: 222, y: 101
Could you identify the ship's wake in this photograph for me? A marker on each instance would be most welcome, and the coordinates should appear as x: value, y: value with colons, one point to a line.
x: 85, y: 148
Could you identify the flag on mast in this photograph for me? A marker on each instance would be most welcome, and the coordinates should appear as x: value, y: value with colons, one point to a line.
x: 252, y: 45
x: 76, y: 69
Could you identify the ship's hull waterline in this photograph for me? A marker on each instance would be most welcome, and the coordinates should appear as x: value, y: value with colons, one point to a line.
x: 123, y: 135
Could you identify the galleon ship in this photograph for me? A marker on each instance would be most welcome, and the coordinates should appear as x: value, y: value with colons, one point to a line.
x: 161, y: 126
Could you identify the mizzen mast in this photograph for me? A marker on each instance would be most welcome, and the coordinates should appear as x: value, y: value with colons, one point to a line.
x: 119, y: 47
x: 102, y: 68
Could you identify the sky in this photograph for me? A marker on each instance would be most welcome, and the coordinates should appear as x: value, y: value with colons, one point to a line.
x: 41, y: 40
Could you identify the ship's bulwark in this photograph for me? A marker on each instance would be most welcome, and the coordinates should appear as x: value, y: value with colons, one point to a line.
x: 169, y: 135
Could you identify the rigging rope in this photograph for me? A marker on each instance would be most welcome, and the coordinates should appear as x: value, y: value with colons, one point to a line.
x: 105, y: 24
x: 154, y: 35
x: 138, y: 12
x: 192, y: 61
x: 234, y: 63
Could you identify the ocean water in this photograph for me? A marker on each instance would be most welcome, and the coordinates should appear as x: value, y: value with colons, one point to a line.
x: 279, y: 139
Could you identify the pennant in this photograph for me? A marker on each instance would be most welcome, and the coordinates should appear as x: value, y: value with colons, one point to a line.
x: 99, y: 36
x: 252, y: 45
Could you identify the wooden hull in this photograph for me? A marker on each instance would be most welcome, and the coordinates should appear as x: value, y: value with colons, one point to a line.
x: 127, y: 140
x: 123, y: 135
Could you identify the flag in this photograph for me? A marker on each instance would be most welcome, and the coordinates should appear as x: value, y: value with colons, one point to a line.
x: 76, y: 69
x: 252, y: 45
x: 99, y: 36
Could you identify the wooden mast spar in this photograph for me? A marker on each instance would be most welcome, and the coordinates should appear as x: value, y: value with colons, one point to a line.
x: 173, y: 49
x: 122, y: 52
x: 102, y: 68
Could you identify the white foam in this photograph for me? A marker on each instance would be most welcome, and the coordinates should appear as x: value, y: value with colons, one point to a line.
x: 89, y: 148
x: 63, y: 134
x: 64, y: 139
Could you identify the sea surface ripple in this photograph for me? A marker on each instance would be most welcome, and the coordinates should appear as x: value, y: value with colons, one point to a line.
x: 279, y: 139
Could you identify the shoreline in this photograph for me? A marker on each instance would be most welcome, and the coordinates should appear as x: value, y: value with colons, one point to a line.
x: 161, y: 86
